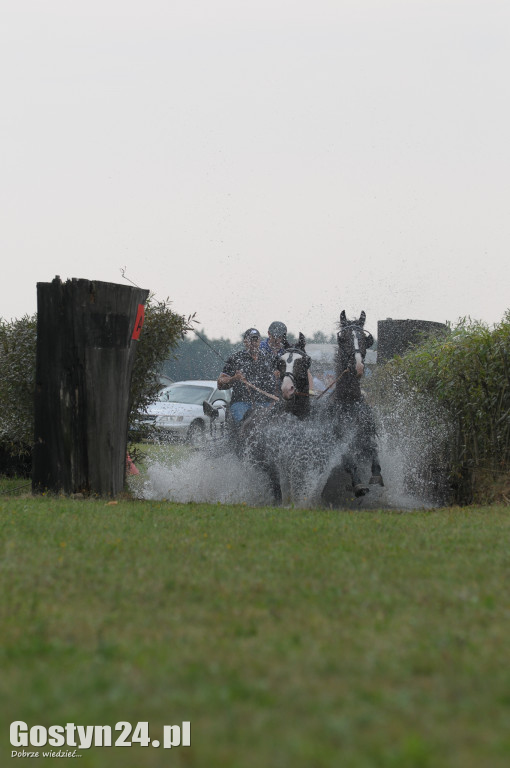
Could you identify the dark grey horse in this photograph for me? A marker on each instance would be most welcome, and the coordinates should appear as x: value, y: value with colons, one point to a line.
x: 349, y: 414
x: 271, y: 438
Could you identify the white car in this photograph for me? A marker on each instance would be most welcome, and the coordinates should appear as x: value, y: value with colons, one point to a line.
x: 179, y: 410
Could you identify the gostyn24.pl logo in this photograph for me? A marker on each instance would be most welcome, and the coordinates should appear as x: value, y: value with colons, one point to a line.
x: 86, y: 736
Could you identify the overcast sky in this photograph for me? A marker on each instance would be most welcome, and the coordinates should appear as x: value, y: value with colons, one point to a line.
x: 260, y: 160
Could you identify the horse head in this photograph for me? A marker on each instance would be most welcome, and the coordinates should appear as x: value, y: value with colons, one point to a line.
x: 353, y: 342
x: 293, y: 364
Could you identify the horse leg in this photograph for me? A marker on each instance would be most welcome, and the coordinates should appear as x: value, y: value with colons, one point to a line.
x: 274, y: 480
x: 369, y: 431
x: 359, y: 488
x: 376, y: 478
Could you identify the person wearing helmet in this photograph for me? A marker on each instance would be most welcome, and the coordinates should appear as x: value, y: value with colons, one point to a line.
x: 276, y: 339
x: 249, y: 366
x: 276, y: 343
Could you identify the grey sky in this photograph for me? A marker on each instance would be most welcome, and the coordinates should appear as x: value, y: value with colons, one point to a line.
x: 260, y: 161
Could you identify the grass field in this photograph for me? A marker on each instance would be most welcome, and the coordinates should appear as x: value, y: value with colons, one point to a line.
x: 285, y: 637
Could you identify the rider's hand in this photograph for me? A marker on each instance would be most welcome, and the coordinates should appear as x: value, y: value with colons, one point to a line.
x: 238, y: 376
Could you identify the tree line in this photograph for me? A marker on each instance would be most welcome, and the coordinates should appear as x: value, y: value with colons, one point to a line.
x: 199, y: 357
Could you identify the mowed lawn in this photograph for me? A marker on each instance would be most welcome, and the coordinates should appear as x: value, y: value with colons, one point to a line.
x: 285, y: 637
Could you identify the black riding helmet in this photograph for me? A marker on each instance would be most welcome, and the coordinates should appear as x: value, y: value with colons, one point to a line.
x: 277, y: 329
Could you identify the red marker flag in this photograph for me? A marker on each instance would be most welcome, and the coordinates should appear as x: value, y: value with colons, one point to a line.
x: 138, y: 322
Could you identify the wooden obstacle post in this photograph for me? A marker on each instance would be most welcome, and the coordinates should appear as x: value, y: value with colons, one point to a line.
x: 394, y: 337
x: 87, y: 334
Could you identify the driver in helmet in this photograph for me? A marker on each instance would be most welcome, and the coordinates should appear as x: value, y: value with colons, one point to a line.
x: 276, y: 338
x: 250, y: 375
x: 276, y: 343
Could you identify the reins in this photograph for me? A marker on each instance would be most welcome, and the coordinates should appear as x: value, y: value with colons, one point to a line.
x: 300, y: 394
x: 320, y: 394
x: 266, y: 394
x: 332, y: 384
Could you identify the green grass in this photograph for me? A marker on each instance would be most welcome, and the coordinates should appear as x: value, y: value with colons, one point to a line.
x: 286, y: 637
x: 14, y: 485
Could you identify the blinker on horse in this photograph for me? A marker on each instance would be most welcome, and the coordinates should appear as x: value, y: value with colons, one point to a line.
x: 350, y: 410
x: 353, y: 342
x: 268, y: 435
x: 293, y: 365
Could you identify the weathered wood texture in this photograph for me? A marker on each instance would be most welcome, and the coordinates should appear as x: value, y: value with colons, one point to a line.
x: 395, y: 336
x: 85, y: 357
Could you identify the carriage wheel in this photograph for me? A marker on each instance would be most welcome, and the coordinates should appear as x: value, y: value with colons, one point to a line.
x: 196, y: 434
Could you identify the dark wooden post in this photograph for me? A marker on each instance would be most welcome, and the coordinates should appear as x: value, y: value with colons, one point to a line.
x: 395, y: 336
x: 86, y: 343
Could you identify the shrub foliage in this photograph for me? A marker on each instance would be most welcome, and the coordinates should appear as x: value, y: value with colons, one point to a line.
x: 163, y: 329
x: 17, y: 377
x: 465, y: 375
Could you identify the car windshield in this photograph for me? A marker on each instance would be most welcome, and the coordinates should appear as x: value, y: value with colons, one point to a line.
x: 185, y: 393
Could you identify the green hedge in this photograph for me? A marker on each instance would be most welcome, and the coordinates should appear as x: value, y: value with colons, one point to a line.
x: 17, y: 377
x: 464, y: 377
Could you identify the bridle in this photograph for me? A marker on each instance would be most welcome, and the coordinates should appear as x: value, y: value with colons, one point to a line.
x: 290, y: 374
x: 291, y: 351
x: 368, y: 341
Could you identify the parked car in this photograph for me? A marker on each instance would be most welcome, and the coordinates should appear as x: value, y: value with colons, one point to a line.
x: 178, y: 412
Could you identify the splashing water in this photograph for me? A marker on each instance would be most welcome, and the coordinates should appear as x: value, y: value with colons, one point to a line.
x: 306, y: 458
x: 201, y: 477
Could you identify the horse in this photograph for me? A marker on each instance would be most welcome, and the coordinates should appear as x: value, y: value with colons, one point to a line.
x: 348, y: 410
x: 295, y: 438
x: 271, y: 437
x: 293, y: 365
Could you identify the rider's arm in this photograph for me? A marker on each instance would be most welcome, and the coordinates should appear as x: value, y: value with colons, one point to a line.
x: 225, y: 377
x: 225, y: 381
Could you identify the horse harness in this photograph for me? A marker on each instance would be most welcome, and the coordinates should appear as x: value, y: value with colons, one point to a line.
x: 288, y: 357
